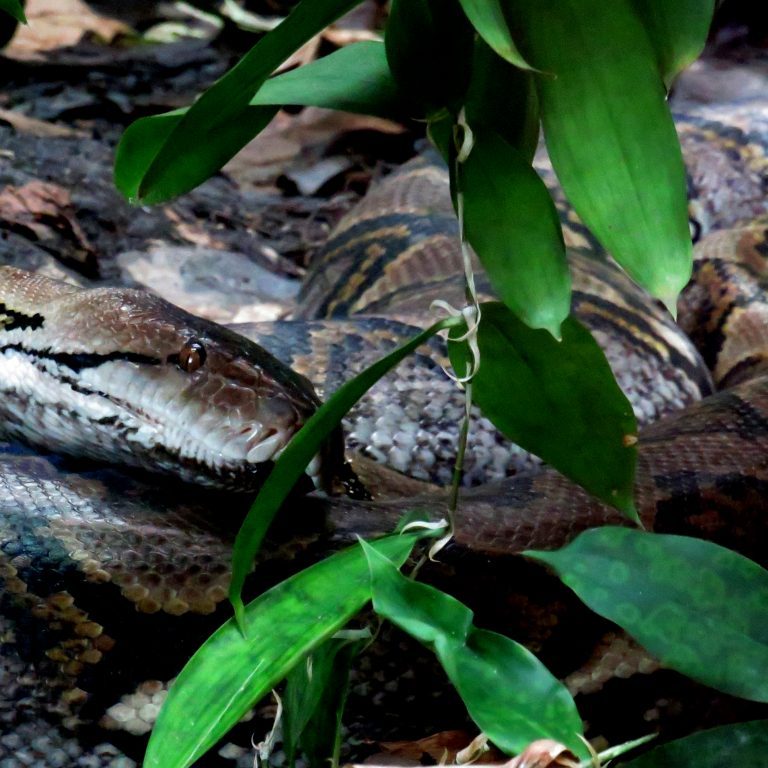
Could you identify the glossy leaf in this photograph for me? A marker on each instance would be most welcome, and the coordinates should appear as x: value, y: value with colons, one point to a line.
x: 299, y: 452
x: 487, y: 18
x: 503, y: 98
x: 429, y: 50
x: 13, y: 8
x: 610, y: 134
x: 557, y: 400
x: 678, y: 31
x: 512, y: 224
x: 355, y: 78
x: 741, y: 744
x: 208, y: 134
x: 696, y: 606
x: 282, y: 626
x: 145, y: 138
x: 511, y: 696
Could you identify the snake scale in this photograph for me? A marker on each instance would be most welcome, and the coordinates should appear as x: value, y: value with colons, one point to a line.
x: 109, y: 578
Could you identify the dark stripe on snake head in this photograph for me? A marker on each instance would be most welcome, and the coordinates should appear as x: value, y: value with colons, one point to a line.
x: 10, y: 319
x: 80, y: 361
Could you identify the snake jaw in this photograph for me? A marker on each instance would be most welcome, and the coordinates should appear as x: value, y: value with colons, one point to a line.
x: 265, y: 449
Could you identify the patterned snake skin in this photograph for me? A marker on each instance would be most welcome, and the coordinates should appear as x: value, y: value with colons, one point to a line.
x: 108, y: 580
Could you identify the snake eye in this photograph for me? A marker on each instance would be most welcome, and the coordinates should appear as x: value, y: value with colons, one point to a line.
x: 192, y: 356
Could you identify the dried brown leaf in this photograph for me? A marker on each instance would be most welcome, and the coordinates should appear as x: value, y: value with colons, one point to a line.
x: 44, y: 212
x: 544, y: 753
x: 56, y: 24
x: 442, y: 747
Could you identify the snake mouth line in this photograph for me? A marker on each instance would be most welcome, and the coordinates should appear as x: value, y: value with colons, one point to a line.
x: 215, y: 446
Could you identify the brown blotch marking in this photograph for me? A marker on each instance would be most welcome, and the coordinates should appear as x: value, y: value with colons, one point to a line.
x: 74, y: 696
x: 90, y: 656
x: 89, y: 629
x: 104, y: 643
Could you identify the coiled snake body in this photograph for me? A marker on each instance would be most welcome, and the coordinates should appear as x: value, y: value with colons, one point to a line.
x: 109, y: 579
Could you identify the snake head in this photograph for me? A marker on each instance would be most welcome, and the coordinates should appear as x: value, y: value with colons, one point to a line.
x: 123, y: 376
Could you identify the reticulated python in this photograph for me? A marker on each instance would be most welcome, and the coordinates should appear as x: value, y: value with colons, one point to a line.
x: 110, y: 579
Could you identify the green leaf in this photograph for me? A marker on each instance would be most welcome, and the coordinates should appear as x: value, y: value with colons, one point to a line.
x: 14, y: 8
x: 209, y: 133
x: 355, y: 78
x: 741, y: 744
x: 425, y: 613
x: 558, y: 400
x: 315, y: 693
x: 144, y: 139
x: 510, y: 695
x: 678, y: 31
x: 429, y: 50
x: 696, y: 606
x: 299, y: 452
x: 610, y: 134
x: 488, y: 19
x: 282, y: 626
x: 513, y: 226
x: 503, y: 98
x: 304, y: 687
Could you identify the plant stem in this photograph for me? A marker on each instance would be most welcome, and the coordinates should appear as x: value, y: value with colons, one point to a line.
x: 458, y: 467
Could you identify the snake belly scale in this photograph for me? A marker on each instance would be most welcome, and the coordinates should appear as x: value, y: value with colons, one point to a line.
x: 97, y: 565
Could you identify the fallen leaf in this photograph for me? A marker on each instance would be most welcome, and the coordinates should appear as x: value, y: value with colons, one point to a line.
x: 34, y: 127
x: 44, y: 212
x: 442, y: 747
x: 58, y: 24
x: 293, y: 142
x: 544, y: 753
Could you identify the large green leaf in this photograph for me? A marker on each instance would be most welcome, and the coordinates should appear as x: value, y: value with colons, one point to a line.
x: 207, y: 135
x: 557, y: 400
x: 741, y: 744
x: 678, y: 31
x: 487, y: 18
x: 429, y: 50
x: 696, y: 606
x: 512, y: 224
x: 503, y: 98
x: 14, y: 8
x: 355, y: 78
x: 609, y: 132
x: 145, y: 138
x: 299, y: 452
x: 230, y: 672
x: 511, y: 696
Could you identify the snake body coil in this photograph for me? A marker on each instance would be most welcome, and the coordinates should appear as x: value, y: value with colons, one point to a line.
x: 108, y: 580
